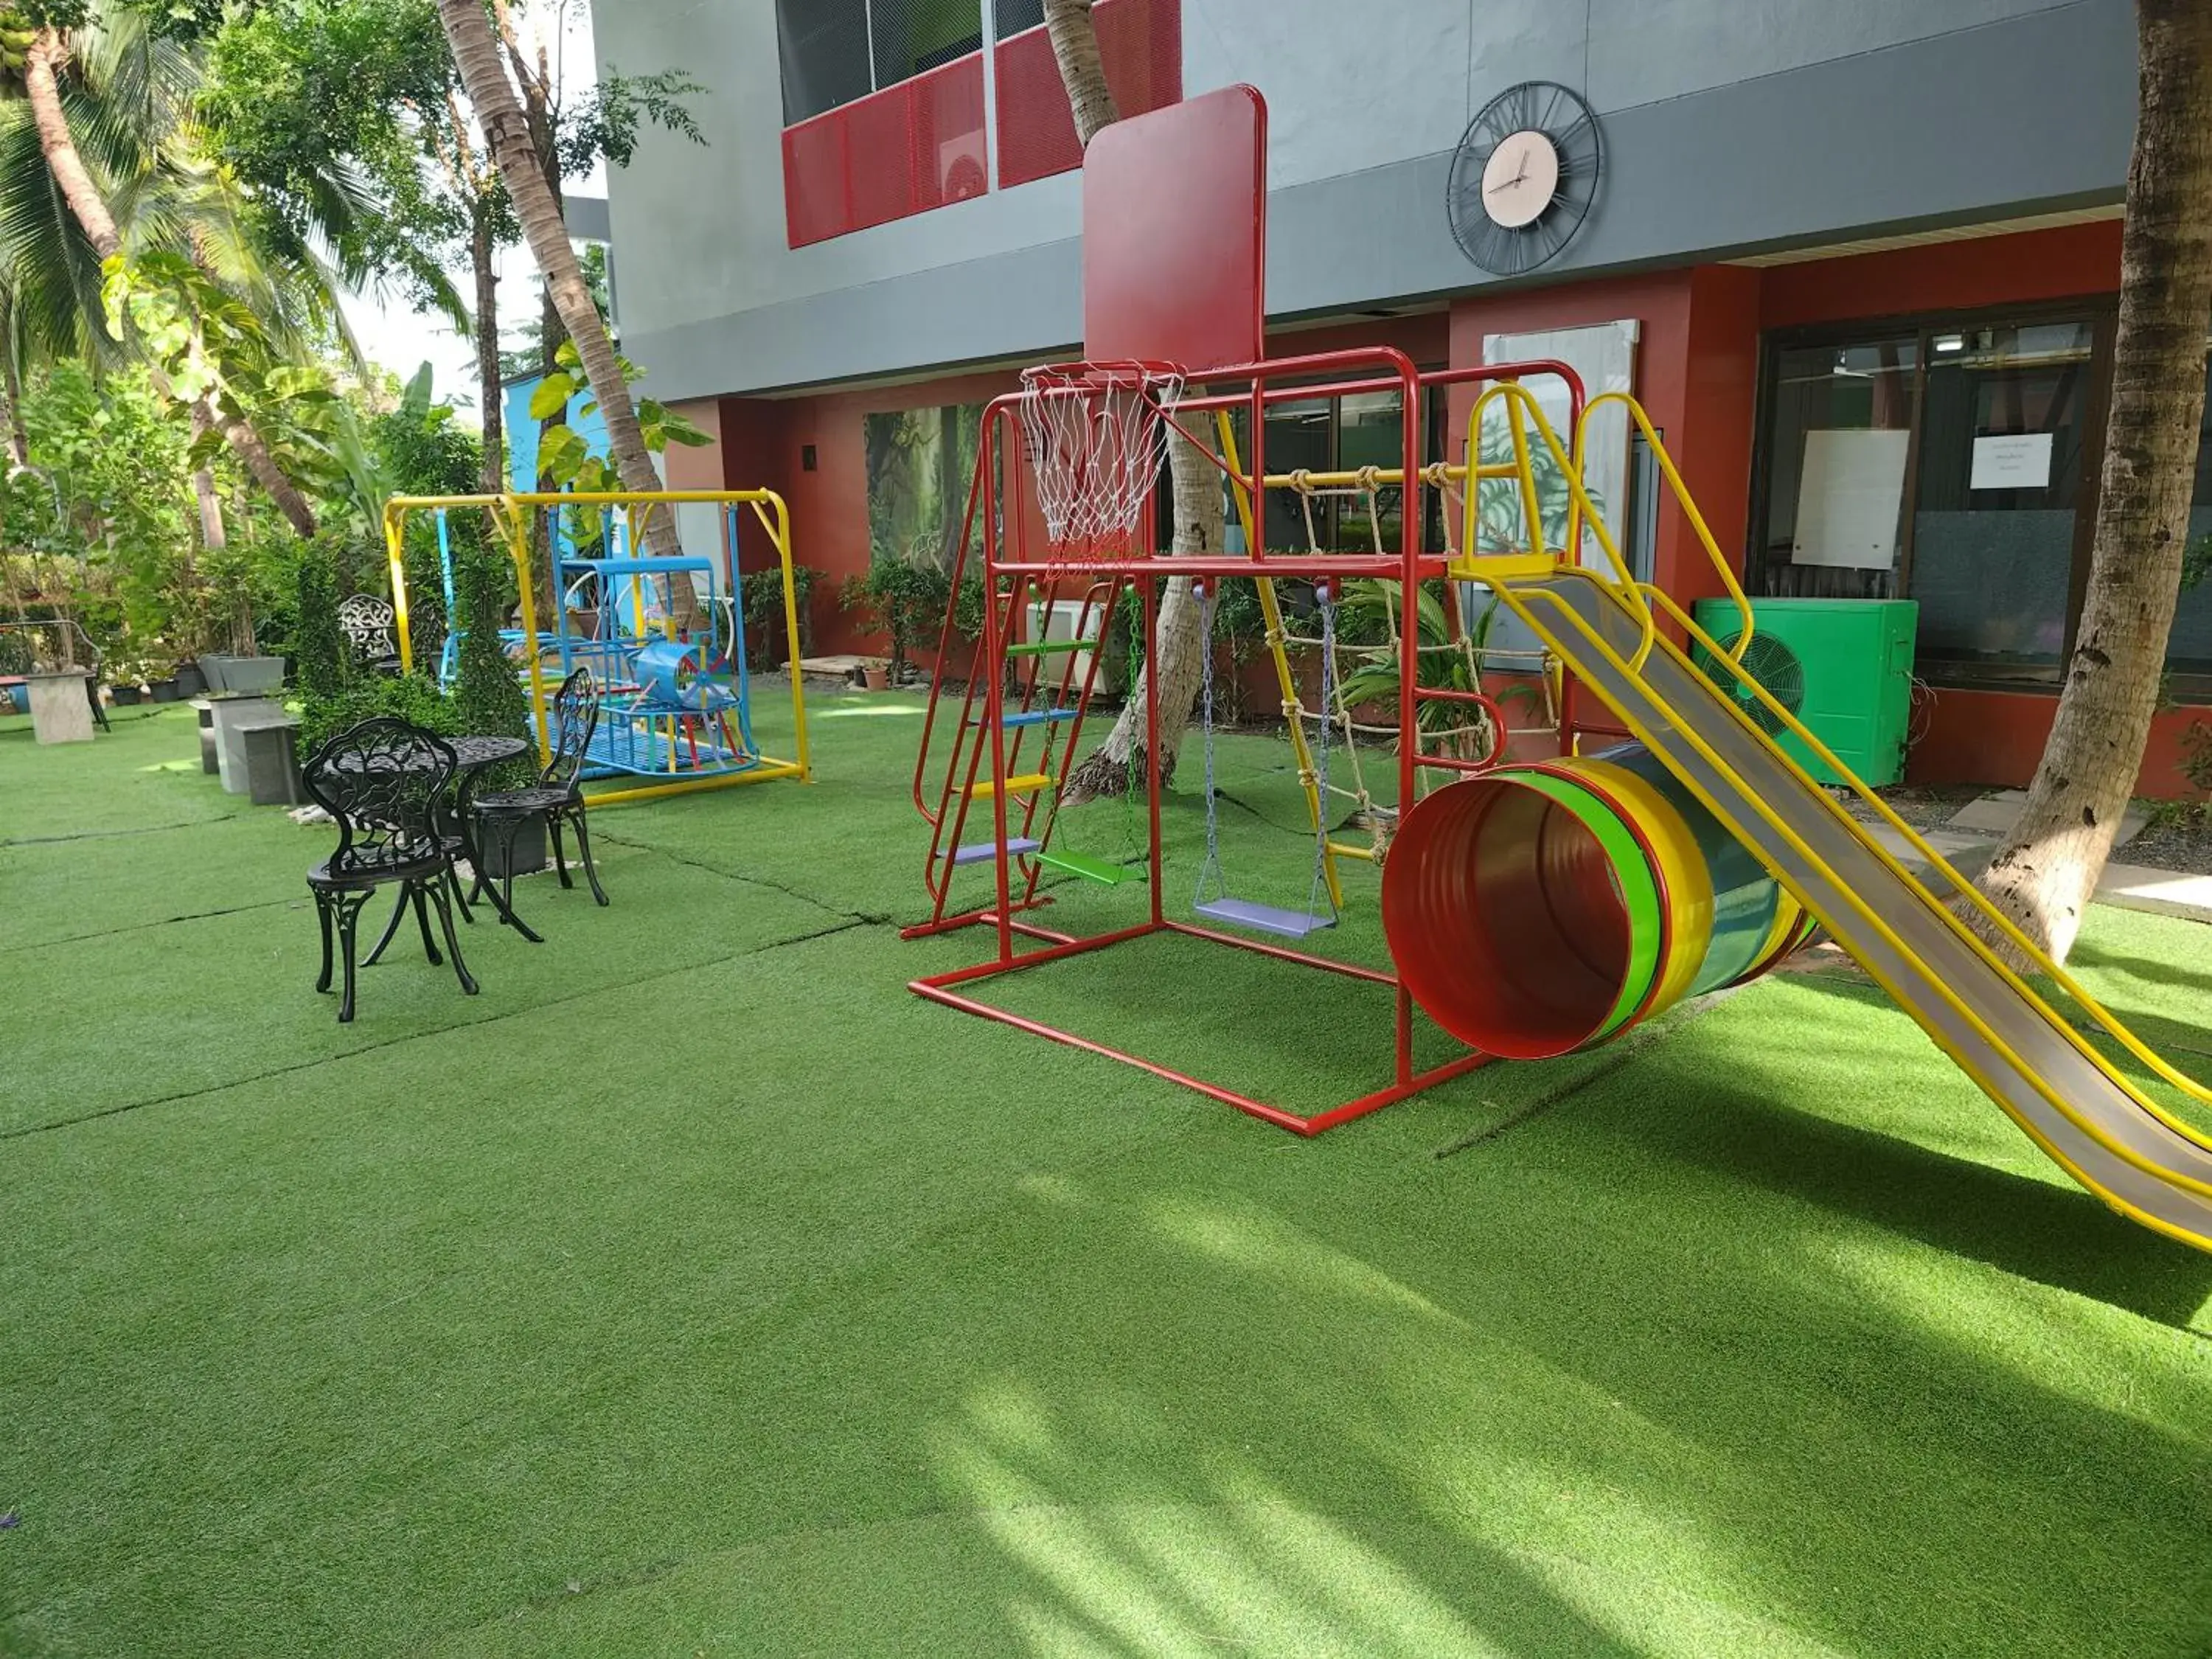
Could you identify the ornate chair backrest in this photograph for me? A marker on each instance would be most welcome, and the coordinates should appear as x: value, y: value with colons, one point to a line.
x: 381, y: 781
x: 366, y: 621
x: 576, y: 717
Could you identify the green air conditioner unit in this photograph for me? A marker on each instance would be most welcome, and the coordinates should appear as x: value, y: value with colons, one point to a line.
x: 1843, y: 666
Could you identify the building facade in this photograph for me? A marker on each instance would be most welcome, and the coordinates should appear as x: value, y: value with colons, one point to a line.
x: 1858, y: 262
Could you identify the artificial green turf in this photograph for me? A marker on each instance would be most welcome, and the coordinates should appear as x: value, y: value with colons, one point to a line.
x: 698, y: 1289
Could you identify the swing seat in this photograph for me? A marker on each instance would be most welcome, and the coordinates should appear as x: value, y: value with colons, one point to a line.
x: 1090, y: 868
x: 1263, y: 918
x: 985, y: 852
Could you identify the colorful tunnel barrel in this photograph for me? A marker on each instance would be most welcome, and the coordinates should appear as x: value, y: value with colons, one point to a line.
x: 1551, y: 906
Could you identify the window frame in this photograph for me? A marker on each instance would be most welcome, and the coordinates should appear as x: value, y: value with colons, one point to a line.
x: 2101, y: 312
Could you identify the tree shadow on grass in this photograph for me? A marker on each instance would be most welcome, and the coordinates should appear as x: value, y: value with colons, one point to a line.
x: 2057, y: 1236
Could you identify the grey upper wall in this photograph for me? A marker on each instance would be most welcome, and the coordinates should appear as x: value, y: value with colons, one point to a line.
x: 1731, y: 127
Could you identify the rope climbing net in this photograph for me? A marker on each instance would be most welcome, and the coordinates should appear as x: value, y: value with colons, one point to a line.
x: 1476, y: 736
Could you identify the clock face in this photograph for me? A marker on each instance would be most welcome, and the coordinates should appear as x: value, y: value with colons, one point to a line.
x: 1524, y: 177
x: 1520, y: 179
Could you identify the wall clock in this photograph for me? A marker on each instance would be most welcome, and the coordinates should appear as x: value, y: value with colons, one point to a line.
x: 1523, y: 177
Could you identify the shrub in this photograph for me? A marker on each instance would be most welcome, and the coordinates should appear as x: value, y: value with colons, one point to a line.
x: 409, y: 697
x: 898, y: 597
x: 488, y: 699
x: 322, y: 662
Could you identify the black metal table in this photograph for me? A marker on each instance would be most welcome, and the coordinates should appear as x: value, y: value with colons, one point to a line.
x: 477, y: 756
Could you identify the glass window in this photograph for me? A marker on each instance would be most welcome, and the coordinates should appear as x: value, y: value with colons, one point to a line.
x: 1324, y: 434
x: 1997, y: 492
x: 834, y: 51
x: 1370, y: 432
x: 823, y: 45
x: 1835, y: 502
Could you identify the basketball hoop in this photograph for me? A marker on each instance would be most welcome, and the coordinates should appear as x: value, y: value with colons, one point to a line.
x: 1092, y: 434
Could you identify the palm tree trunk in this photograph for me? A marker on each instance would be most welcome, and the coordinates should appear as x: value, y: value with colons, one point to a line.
x: 493, y: 409
x: 19, y: 435
x: 254, y: 453
x: 2042, y: 878
x: 41, y: 85
x: 1178, y: 654
x: 47, y: 54
x: 483, y: 74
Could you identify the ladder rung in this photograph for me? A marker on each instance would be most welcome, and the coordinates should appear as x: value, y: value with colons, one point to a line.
x: 982, y: 851
x: 1090, y: 868
x: 1028, y: 784
x: 1048, y: 647
x: 1345, y: 850
x: 1029, y: 717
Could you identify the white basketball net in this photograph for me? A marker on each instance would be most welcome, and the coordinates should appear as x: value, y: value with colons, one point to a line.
x: 1092, y: 434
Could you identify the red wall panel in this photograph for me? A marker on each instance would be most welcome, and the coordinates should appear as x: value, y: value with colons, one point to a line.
x: 1141, y: 43
x: 895, y: 153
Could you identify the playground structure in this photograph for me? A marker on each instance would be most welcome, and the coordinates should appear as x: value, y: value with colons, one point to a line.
x: 1530, y: 908
x: 677, y: 709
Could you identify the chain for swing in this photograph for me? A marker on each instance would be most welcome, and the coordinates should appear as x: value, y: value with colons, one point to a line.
x: 1321, y: 905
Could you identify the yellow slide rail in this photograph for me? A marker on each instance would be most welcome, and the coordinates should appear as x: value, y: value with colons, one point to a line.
x: 1640, y: 600
x: 511, y: 516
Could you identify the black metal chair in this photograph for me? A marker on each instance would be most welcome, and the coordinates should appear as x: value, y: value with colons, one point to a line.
x: 380, y: 781
x: 558, y: 794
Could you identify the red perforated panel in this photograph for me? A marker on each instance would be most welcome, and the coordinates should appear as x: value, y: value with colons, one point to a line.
x: 900, y: 151
x: 1175, y: 233
x: 1141, y: 43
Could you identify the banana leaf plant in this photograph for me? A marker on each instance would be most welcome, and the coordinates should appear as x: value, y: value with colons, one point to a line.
x: 1364, y: 613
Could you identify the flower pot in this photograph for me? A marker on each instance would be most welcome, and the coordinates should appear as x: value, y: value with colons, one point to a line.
x: 124, y: 696
x: 190, y: 682
x: 251, y: 675
x: 528, y: 853
x: 877, y: 677
x: 163, y: 690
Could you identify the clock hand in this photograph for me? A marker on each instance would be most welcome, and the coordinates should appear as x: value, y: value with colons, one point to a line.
x: 1509, y: 183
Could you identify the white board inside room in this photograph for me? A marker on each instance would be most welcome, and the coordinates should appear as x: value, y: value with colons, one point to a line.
x: 1850, y: 491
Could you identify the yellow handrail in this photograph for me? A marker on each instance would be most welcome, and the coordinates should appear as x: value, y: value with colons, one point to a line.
x: 1875, y: 922
x: 1973, y: 894
x: 1516, y: 397
x: 1682, y: 499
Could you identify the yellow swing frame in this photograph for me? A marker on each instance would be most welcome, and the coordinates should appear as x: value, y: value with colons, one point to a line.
x: 511, y: 515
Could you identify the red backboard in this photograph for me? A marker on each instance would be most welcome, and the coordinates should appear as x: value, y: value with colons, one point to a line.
x: 1174, y: 234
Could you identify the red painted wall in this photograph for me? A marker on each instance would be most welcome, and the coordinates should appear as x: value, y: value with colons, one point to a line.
x: 1997, y: 738
x: 2028, y: 268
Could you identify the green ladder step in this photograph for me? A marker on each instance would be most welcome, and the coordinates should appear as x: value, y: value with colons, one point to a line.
x: 1091, y: 869
x: 1048, y: 647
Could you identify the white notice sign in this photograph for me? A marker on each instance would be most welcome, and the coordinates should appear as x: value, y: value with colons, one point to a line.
x: 2019, y: 460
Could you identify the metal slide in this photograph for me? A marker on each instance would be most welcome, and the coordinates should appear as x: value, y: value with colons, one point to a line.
x: 2069, y: 1099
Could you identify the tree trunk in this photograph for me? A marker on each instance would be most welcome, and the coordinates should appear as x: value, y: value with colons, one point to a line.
x: 47, y: 54
x: 1178, y: 654
x: 89, y: 208
x: 1195, y: 480
x: 468, y: 31
x: 19, y: 436
x: 482, y: 258
x: 2042, y: 876
x: 254, y: 453
x: 1074, y: 35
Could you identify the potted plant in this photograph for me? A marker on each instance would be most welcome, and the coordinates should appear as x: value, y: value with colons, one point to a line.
x: 190, y: 681
x: 898, y: 596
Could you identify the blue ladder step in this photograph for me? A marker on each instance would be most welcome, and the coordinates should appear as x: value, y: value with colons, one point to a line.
x: 1263, y: 918
x: 982, y: 851
x: 1029, y: 717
